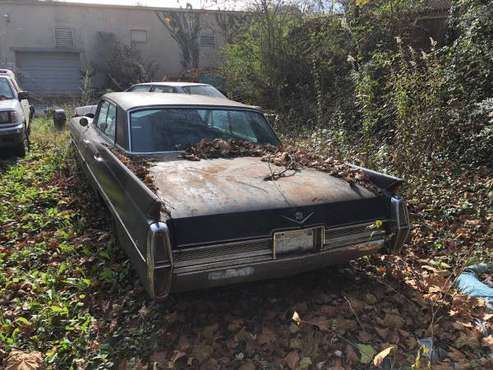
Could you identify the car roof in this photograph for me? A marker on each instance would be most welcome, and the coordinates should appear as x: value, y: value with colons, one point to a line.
x: 131, y: 100
x: 7, y: 72
x: 172, y: 83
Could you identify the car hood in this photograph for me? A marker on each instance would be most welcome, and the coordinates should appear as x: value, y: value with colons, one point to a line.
x: 222, y: 186
x: 10, y: 104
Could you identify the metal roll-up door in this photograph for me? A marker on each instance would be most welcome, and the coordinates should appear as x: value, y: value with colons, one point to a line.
x: 49, y: 73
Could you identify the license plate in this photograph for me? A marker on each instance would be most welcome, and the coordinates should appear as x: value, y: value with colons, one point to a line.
x: 296, y: 240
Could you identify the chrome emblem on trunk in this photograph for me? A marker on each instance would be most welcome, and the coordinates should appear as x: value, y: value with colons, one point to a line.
x: 299, y: 217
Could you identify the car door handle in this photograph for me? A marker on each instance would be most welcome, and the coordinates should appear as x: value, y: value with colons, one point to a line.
x: 97, y: 157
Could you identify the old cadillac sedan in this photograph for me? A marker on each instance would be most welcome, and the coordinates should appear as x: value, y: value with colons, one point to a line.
x: 197, y: 224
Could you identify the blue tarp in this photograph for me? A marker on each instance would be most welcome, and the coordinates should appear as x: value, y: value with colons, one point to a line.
x: 469, y: 283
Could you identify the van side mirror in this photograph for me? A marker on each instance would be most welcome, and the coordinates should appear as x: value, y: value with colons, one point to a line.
x: 23, y: 95
x: 83, y: 121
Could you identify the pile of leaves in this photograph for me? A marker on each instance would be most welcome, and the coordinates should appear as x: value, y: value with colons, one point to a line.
x: 219, y: 148
x: 139, y: 166
x: 289, y: 157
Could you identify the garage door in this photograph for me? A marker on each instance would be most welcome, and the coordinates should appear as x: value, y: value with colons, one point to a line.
x: 49, y: 73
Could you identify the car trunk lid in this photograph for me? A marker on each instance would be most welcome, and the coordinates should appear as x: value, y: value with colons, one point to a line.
x: 230, y: 199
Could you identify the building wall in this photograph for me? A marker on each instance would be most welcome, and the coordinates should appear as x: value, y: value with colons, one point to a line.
x: 30, y: 26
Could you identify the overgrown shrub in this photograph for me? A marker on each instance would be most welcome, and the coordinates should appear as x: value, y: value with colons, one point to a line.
x: 373, y: 82
x: 123, y: 64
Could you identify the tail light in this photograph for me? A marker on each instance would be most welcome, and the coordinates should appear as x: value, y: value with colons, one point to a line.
x: 159, y: 260
x: 400, y: 225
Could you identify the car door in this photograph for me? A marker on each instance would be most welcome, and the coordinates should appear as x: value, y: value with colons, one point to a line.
x: 102, y: 140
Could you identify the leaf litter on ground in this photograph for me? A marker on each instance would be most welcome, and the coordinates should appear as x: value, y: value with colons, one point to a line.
x: 68, y: 292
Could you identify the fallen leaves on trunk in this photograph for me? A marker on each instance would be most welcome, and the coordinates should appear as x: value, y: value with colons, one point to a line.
x: 289, y: 158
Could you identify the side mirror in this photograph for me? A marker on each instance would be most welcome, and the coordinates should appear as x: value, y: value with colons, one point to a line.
x: 90, y: 115
x: 83, y: 121
x: 22, y: 95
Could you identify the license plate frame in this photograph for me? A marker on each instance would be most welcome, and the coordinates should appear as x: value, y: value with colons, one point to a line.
x: 297, y: 240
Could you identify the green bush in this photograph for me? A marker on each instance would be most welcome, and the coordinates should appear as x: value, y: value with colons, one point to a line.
x: 372, y: 81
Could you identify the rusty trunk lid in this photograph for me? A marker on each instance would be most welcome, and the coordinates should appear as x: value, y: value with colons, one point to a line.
x: 218, y: 186
x: 222, y: 199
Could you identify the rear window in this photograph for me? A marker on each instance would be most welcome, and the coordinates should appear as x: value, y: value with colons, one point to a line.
x: 164, y: 89
x: 142, y: 88
x: 174, y: 129
x: 206, y: 90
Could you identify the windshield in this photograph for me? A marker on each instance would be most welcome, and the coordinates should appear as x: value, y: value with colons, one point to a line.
x: 5, y: 89
x: 206, y: 90
x: 174, y: 129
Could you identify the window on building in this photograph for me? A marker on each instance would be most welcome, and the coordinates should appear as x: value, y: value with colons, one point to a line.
x: 208, y: 40
x: 64, y: 37
x: 138, y: 36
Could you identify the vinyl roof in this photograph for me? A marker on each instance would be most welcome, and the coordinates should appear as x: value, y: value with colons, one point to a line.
x: 130, y: 100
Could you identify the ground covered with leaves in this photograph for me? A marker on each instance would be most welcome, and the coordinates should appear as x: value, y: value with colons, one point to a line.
x: 69, y: 298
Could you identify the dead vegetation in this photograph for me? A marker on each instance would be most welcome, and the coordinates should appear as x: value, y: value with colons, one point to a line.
x: 139, y: 166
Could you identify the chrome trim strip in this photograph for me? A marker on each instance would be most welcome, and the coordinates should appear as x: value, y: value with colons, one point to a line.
x: 269, y: 236
x: 225, y: 244
x: 370, y: 246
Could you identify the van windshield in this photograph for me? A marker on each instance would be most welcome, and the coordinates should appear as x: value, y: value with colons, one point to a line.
x: 174, y: 129
x: 5, y: 89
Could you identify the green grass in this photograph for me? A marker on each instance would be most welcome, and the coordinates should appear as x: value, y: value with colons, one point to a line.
x: 51, y: 267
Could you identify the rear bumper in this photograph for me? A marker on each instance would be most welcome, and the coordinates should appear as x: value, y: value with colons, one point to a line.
x: 271, y: 269
x: 182, y: 269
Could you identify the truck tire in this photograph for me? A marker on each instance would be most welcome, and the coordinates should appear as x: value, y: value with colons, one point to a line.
x: 22, y: 148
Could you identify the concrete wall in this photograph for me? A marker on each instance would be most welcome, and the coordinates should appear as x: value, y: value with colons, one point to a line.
x: 29, y: 25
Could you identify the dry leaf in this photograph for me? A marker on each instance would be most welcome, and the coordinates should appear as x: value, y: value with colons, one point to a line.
x: 19, y: 360
x: 176, y: 356
x: 266, y: 337
x: 488, y: 342
x: 296, y: 318
x: 292, y: 359
x: 380, y: 357
x: 247, y: 366
x: 367, y: 352
x: 351, y: 355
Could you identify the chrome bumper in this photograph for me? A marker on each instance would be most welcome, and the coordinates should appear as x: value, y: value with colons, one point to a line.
x: 251, y: 260
x: 12, y: 134
x: 11, y: 129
